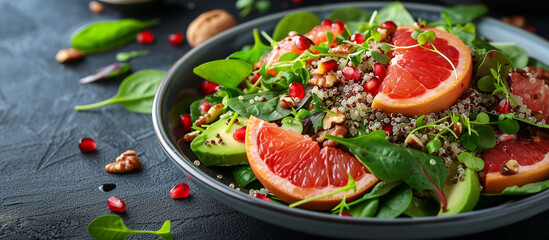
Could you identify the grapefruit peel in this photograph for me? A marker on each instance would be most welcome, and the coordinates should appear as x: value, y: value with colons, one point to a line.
x: 389, y: 162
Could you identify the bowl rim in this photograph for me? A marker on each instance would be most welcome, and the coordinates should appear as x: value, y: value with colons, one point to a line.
x: 171, y: 147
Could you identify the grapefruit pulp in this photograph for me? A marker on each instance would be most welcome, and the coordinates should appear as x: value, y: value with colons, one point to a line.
x: 294, y: 167
x: 532, y: 155
x: 419, y: 81
x: 534, y: 94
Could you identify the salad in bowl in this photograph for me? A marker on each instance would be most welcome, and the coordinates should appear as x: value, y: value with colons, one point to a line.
x: 375, y: 115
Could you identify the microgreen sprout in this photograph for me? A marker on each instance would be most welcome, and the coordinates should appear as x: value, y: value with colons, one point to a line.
x: 235, y: 115
x: 435, y: 143
x: 350, y: 185
x: 266, y: 36
x: 500, y: 85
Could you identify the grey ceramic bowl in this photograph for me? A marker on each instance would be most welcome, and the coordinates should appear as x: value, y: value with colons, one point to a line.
x: 179, y: 88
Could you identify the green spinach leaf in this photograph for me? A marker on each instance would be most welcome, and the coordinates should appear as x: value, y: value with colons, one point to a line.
x: 396, y: 12
x: 464, y: 13
x: 527, y: 189
x: 517, y: 55
x: 428, y: 173
x: 422, y: 207
x: 300, y: 22
x: 136, y: 92
x: 350, y: 14
x: 268, y: 110
x: 226, y: 72
x: 243, y: 175
x: 395, y: 202
x: 367, y: 208
x: 103, y: 36
x: 255, y: 53
x: 126, y: 56
x: 111, y: 227
x: 471, y: 161
x: 537, y: 63
x: 195, y: 111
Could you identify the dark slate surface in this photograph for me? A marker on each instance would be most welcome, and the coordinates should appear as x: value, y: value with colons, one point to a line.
x: 49, y: 190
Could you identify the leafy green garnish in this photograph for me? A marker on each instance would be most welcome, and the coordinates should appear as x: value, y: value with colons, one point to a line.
x: 527, y: 189
x: 351, y: 185
x: 300, y: 22
x: 396, y: 12
x: 103, y: 36
x: 517, y: 55
x: 126, y: 56
x: 294, y: 123
x: 268, y: 110
x: 243, y: 175
x: 471, y: 161
x: 136, y: 92
x: 247, y: 6
x: 389, y: 162
x: 394, y: 203
x: 351, y: 16
x: 462, y: 14
x: 111, y: 227
x: 254, y: 54
x: 226, y: 72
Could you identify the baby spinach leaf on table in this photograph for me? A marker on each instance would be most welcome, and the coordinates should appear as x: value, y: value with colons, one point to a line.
x: 471, y: 161
x: 113, y: 70
x: 136, y: 92
x: 243, y: 175
x: 126, y: 56
x: 367, y: 208
x: 395, y: 202
x: 111, y: 227
x: 255, y: 53
x: 287, y: 24
x: 226, y: 72
x: 517, y: 55
x: 103, y: 36
x: 350, y: 14
x: 396, y: 12
x: 269, y: 110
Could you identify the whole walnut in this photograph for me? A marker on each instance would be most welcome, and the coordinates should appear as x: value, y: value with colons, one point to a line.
x: 209, y: 24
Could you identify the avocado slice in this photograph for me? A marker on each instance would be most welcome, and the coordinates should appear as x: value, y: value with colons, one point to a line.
x: 228, y: 153
x: 463, y: 195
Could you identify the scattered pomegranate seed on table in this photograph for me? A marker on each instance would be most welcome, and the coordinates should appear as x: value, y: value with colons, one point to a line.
x: 240, y: 134
x: 176, y: 39
x: 180, y: 191
x: 186, y: 121
x: 208, y: 87
x: 87, y: 145
x: 145, y: 37
x: 116, y: 205
x: 296, y: 90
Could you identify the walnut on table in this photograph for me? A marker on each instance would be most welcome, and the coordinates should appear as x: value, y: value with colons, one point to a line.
x: 126, y: 162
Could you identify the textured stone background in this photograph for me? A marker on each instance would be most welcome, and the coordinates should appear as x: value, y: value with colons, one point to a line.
x: 48, y: 189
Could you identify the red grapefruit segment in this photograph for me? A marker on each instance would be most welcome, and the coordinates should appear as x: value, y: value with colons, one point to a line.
x: 293, y: 166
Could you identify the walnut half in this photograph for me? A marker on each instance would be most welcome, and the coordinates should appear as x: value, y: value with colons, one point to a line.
x: 209, y: 24
x: 126, y: 162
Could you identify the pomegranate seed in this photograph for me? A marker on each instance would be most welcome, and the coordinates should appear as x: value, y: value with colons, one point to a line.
x: 357, y: 38
x: 327, y: 22
x: 302, y: 43
x: 340, y: 24
x: 351, y: 73
x: 175, y: 38
x: 507, y: 137
x: 204, y: 107
x: 296, y: 90
x: 503, y: 106
x: 530, y: 28
x: 256, y: 77
x: 345, y: 214
x: 325, y: 67
x: 262, y: 197
x: 180, y: 191
x: 116, y: 205
x: 240, y: 134
x: 388, y: 129
x: 380, y: 71
x: 388, y: 24
x: 87, y: 145
x: 208, y: 87
x: 186, y: 121
x: 145, y: 37
x: 371, y: 86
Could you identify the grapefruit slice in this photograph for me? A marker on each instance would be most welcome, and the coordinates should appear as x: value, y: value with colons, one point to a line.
x: 289, y: 44
x: 419, y: 81
x: 293, y: 166
x: 534, y: 94
x: 532, y: 156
